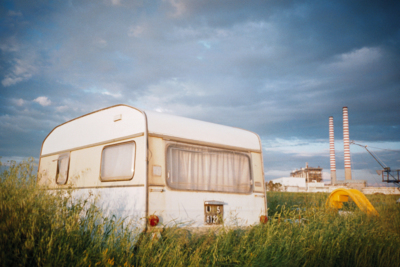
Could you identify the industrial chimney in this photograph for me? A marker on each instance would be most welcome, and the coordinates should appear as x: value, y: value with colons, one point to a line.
x: 332, y: 151
x: 346, y: 141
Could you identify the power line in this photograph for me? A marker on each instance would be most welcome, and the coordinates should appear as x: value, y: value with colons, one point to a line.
x: 385, y: 149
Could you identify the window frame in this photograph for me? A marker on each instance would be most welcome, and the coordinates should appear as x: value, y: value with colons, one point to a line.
x: 219, y: 149
x: 127, y: 178
x: 60, y: 157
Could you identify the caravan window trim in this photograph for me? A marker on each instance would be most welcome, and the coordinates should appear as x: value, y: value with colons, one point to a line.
x: 61, y: 157
x: 171, y: 143
x: 122, y: 178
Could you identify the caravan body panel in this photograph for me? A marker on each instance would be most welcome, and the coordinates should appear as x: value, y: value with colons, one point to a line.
x: 77, y: 153
x: 201, y: 132
x: 105, y: 125
x: 84, y: 139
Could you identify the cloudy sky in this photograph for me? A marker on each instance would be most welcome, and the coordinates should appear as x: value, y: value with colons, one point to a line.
x: 278, y: 68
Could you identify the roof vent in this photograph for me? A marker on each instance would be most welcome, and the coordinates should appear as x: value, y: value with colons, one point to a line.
x: 118, y: 117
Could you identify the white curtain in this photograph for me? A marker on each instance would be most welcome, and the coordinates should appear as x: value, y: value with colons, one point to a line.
x: 201, y: 168
x: 117, y: 162
x: 62, y: 168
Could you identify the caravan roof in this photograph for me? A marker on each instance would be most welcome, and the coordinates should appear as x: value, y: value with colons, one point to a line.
x: 122, y: 121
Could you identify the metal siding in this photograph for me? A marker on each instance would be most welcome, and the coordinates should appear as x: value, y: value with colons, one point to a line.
x: 187, y: 208
x: 94, y: 128
x: 126, y: 203
x: 185, y: 128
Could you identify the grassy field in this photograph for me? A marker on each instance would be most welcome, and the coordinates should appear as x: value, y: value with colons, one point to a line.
x: 41, y: 229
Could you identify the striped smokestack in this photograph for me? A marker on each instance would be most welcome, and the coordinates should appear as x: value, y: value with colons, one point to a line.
x: 332, y: 151
x: 346, y: 141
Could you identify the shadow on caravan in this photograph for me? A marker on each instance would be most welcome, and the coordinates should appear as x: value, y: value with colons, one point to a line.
x: 158, y: 168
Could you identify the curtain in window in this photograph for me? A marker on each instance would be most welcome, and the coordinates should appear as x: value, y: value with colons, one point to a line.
x: 62, y: 168
x: 117, y: 162
x: 200, y: 168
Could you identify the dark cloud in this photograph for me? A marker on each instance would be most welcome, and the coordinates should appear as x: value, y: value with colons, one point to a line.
x: 278, y: 68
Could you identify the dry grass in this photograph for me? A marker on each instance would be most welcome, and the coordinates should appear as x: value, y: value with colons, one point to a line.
x: 42, y: 229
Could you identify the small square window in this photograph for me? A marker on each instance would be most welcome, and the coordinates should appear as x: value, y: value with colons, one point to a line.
x: 118, y: 162
x: 62, y: 169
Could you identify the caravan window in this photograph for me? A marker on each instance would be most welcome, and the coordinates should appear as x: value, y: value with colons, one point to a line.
x: 62, y: 169
x: 192, y: 167
x: 118, y: 162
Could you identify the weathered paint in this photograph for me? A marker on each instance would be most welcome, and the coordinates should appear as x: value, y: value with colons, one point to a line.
x: 201, y: 131
x: 147, y: 192
x: 126, y: 203
x: 187, y: 208
x: 94, y: 128
x: 84, y: 167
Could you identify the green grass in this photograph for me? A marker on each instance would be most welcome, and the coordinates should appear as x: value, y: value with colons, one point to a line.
x: 42, y: 229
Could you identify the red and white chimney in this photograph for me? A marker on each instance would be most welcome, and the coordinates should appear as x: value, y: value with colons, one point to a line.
x: 346, y: 141
x: 332, y: 151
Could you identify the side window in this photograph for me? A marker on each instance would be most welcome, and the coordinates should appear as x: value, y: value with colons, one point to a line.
x: 201, y: 168
x: 62, y: 169
x: 118, y: 162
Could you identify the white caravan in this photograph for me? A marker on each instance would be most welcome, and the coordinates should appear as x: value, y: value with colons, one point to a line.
x: 158, y: 168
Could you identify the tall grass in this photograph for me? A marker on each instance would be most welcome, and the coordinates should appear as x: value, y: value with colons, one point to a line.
x: 39, y: 228
x: 42, y: 229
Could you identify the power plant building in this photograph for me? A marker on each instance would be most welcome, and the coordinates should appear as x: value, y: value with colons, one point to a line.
x: 310, y: 174
x: 309, y: 179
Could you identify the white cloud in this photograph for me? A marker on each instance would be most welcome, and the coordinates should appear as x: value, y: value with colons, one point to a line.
x: 22, y: 70
x: 43, y: 100
x: 206, y: 44
x: 116, y: 2
x: 164, y: 94
x: 115, y: 95
x: 18, y: 102
x: 9, y: 45
x: 11, y: 81
x: 304, y: 148
x: 14, y: 14
x: 360, y: 58
x: 175, y: 87
x: 178, y: 6
x: 375, y: 146
x: 25, y: 121
x: 135, y: 31
x: 100, y: 43
x: 277, y: 173
x: 108, y: 89
x: 61, y: 108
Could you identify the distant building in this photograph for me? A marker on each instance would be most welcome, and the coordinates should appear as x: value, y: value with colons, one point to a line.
x: 309, y: 180
x: 311, y: 174
x: 291, y: 184
x: 317, y: 187
x: 290, y: 181
x: 296, y: 184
